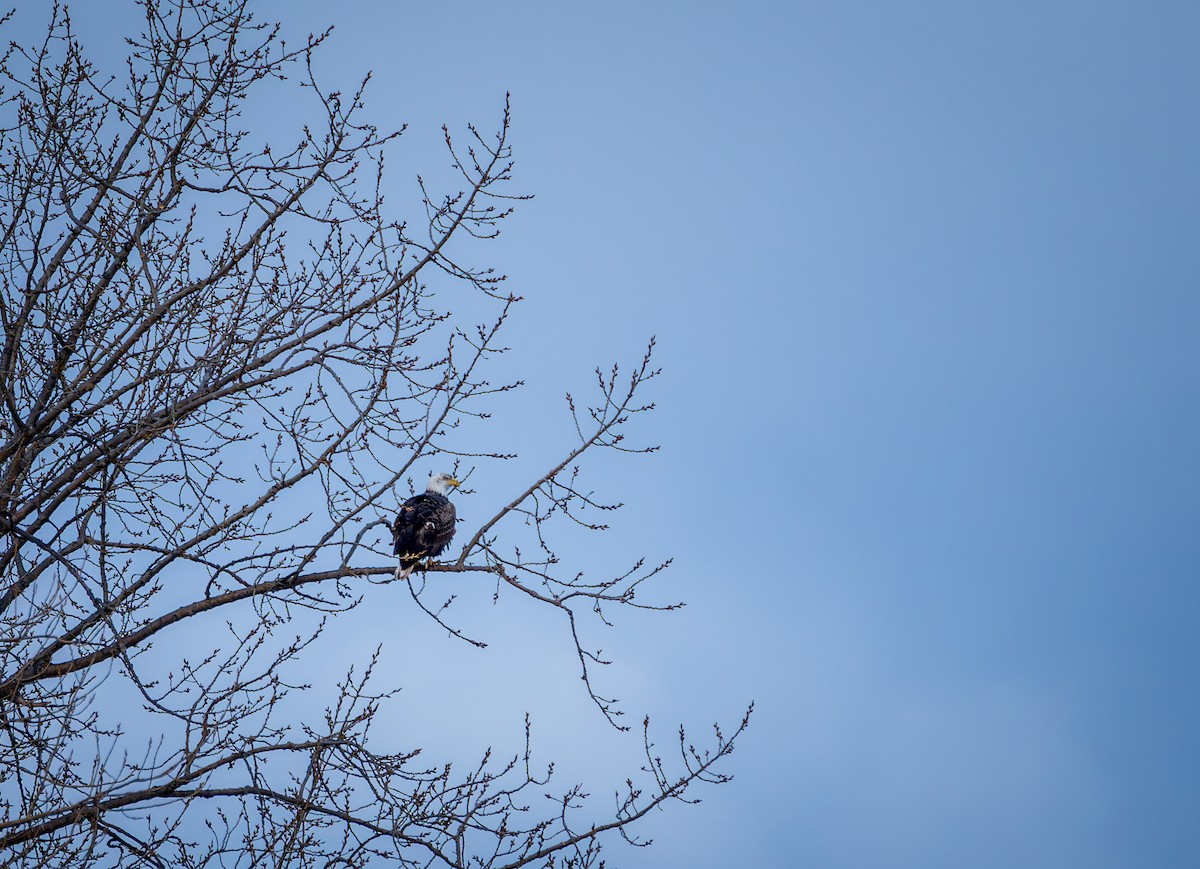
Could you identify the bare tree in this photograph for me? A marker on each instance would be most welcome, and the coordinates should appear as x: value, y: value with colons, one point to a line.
x: 203, y: 330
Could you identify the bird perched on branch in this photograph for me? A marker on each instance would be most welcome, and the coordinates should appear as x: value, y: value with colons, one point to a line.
x: 424, y: 524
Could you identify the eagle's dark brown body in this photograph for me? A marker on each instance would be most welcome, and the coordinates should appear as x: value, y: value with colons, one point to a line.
x: 423, y: 529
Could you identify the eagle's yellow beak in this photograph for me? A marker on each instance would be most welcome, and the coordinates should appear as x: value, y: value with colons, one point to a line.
x: 453, y: 482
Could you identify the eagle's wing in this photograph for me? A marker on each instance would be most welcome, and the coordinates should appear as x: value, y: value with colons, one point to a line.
x: 439, y: 527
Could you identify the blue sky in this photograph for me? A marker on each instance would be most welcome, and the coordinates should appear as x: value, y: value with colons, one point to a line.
x: 924, y: 279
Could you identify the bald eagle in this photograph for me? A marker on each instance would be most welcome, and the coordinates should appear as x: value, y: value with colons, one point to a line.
x: 424, y: 524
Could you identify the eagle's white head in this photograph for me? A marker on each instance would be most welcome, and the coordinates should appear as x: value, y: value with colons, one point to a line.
x: 441, y: 484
